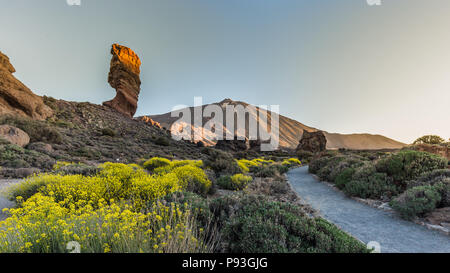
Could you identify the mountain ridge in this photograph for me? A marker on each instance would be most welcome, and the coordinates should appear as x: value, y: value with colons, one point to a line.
x: 291, y: 132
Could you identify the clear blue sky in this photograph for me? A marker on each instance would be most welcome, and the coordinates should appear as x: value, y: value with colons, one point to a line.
x: 341, y: 66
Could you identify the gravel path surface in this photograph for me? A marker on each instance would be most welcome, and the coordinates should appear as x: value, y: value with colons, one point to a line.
x: 364, y: 222
x: 5, y: 203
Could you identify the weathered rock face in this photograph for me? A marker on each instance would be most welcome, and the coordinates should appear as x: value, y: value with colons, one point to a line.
x: 14, y: 135
x: 313, y: 142
x: 124, y: 77
x: 16, y: 98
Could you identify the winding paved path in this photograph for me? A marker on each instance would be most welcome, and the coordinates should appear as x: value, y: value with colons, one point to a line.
x: 364, y: 222
x: 5, y: 203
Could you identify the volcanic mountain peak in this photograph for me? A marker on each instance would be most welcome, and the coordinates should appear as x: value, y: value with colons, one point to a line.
x: 291, y: 131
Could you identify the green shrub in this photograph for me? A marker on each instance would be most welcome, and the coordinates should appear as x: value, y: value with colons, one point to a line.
x: 235, y: 182
x: 13, y: 156
x: 327, y: 165
x: 258, y: 225
x: 374, y: 186
x: 38, y: 131
x: 429, y: 139
x: 417, y: 201
x: 352, y: 162
x: 75, y: 168
x: 270, y: 170
x: 162, y: 141
x: 344, y: 177
x: 366, y: 182
x: 222, y: 163
x: 431, y: 178
x: 409, y: 165
x: 440, y: 179
x: 304, y: 156
x: 108, y: 132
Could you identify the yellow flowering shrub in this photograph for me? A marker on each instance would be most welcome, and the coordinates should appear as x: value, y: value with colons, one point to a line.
x: 193, y: 179
x: 249, y: 165
x: 291, y: 162
x: 176, y: 164
x: 156, y: 162
x: 235, y: 182
x: 116, y: 210
x: 244, y: 168
x: 42, y: 225
x: 61, y: 164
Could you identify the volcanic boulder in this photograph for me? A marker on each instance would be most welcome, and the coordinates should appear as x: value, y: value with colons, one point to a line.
x: 16, y: 98
x: 14, y: 135
x: 124, y: 77
x: 313, y: 142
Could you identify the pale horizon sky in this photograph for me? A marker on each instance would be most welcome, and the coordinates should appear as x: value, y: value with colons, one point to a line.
x: 340, y: 66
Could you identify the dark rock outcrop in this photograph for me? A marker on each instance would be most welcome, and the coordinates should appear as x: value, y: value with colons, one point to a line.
x: 16, y: 98
x: 124, y: 77
x: 235, y: 145
x: 313, y: 142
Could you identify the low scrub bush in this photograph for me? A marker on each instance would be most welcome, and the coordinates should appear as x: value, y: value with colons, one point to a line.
x: 270, y: 170
x: 65, y: 168
x: 257, y: 225
x: 162, y: 141
x: 236, y: 182
x: 409, y: 165
x: 13, y: 156
x: 222, y: 163
x: 417, y: 201
x: 366, y: 182
x: 38, y: 131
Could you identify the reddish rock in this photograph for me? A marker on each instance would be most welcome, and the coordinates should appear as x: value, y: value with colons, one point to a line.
x: 14, y: 135
x: 151, y: 122
x: 16, y: 98
x: 313, y: 142
x: 124, y: 77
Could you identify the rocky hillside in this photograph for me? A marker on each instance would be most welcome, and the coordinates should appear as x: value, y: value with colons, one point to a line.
x: 291, y: 132
x: 16, y: 98
x: 37, y: 132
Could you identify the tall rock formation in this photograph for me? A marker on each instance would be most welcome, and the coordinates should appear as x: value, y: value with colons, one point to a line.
x: 16, y: 98
x: 313, y: 142
x: 124, y: 77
